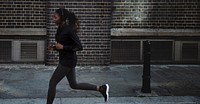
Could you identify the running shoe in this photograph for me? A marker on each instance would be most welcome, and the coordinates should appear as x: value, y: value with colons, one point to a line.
x: 104, y: 90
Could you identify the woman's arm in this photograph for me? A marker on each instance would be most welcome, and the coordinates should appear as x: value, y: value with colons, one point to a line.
x: 77, y: 44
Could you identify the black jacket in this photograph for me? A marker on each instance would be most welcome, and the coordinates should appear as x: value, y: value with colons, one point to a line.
x: 66, y: 36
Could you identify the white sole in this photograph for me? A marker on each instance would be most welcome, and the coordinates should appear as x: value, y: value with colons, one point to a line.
x: 107, y: 90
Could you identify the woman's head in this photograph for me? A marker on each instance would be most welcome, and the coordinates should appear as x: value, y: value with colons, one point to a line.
x: 62, y: 15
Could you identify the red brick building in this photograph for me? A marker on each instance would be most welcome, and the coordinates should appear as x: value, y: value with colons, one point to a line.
x: 112, y: 31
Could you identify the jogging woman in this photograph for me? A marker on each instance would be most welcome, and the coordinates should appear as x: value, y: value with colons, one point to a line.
x: 67, y: 44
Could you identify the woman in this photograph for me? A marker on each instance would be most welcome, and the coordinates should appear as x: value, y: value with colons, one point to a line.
x: 67, y: 45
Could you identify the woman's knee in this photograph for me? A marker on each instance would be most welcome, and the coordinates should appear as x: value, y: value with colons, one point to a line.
x: 73, y: 86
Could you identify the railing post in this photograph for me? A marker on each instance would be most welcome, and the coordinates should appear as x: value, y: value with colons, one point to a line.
x: 146, y: 84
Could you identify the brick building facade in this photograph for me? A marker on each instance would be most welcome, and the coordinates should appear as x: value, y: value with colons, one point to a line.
x: 111, y: 31
x: 172, y: 26
x: 22, y: 30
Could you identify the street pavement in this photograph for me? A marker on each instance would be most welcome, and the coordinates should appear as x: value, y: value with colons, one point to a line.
x: 112, y: 100
x: 170, y: 84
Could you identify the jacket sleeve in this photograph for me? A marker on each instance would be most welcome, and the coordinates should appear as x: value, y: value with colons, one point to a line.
x: 77, y: 44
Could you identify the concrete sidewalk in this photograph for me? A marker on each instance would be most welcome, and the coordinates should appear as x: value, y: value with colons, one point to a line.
x: 22, y: 81
x: 112, y: 100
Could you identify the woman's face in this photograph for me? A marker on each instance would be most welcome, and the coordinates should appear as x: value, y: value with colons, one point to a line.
x: 56, y: 18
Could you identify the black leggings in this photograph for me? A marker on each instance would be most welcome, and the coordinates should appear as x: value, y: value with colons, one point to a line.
x: 58, y: 75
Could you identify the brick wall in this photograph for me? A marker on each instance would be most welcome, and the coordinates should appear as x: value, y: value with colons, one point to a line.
x: 27, y: 19
x: 22, y: 23
x: 162, y: 14
x: 22, y: 14
x: 94, y: 16
x: 168, y: 24
x: 98, y: 18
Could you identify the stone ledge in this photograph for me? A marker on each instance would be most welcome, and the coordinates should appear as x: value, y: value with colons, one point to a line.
x: 23, y: 31
x: 154, y: 32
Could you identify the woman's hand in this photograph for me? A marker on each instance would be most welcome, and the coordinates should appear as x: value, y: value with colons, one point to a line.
x: 59, y: 46
x: 50, y: 47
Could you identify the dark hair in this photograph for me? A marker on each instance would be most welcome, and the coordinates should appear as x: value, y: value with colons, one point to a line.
x: 72, y: 19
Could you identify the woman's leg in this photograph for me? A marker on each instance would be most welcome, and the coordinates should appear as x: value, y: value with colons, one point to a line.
x: 71, y: 76
x: 57, y: 76
x: 104, y: 89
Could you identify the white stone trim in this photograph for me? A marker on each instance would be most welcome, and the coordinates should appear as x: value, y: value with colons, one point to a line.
x: 154, y: 32
x: 23, y: 31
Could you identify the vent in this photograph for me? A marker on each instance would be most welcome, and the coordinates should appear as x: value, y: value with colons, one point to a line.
x: 5, y: 51
x: 22, y: 51
x: 161, y: 50
x: 125, y: 51
x: 190, y: 51
x: 28, y: 50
